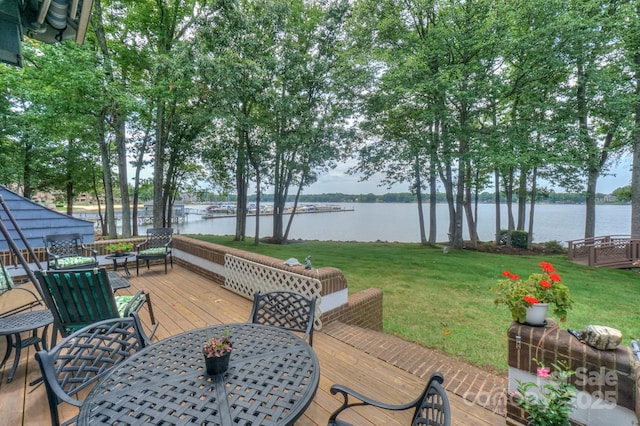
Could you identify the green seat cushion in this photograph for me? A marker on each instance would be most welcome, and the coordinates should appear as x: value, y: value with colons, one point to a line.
x: 6, y: 282
x: 154, y: 251
x: 123, y: 301
x: 69, y: 262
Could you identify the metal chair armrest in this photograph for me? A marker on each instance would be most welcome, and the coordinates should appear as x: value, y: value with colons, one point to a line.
x: 48, y: 371
x: 135, y: 303
x: 346, y: 392
x: 132, y: 308
x: 24, y: 307
x: 89, y: 251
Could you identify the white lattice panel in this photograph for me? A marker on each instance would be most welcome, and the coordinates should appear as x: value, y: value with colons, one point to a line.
x: 246, y: 278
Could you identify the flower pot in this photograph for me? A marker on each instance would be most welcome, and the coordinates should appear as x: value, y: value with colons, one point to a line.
x: 217, y: 365
x: 537, y: 314
x: 121, y: 253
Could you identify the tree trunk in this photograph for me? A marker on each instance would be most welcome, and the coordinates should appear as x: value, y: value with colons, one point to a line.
x: 121, y: 147
x: 458, y: 241
x: 635, y: 174
x: 496, y: 177
x: 447, y: 181
x: 136, y: 180
x: 534, y: 178
x: 242, y: 181
x: 257, y: 233
x: 418, y: 186
x: 508, y: 192
x: 111, y: 229
x: 27, y: 171
x: 433, y: 199
x: 522, y: 198
x: 285, y: 237
x: 158, y: 167
x: 471, y: 221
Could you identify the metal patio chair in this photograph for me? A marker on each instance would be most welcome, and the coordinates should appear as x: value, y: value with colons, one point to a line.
x: 285, y: 309
x: 81, y: 297
x: 431, y: 407
x: 156, y: 246
x: 67, y: 251
x: 84, y: 357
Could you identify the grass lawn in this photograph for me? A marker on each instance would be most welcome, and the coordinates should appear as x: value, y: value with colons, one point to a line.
x: 444, y: 301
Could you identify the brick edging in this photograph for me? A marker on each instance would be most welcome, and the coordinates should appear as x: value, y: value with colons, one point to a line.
x: 461, y: 378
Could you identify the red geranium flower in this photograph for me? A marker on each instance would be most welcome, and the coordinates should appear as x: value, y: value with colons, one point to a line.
x: 547, y: 267
x: 531, y: 300
x: 540, y: 287
x: 554, y: 277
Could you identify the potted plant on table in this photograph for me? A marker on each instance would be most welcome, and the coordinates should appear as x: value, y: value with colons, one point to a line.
x: 526, y: 297
x: 120, y: 248
x: 217, y: 352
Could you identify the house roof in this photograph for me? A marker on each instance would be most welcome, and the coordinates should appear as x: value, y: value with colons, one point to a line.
x: 36, y: 220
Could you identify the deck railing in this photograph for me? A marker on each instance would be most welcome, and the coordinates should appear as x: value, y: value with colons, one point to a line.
x: 614, y: 251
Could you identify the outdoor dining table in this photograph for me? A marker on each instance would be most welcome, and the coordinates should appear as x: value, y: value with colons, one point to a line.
x: 272, y: 378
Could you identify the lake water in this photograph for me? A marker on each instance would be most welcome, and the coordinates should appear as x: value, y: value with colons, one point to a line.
x: 399, y: 222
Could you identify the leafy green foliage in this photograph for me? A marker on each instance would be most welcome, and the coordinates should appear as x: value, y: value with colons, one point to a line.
x: 518, y: 238
x: 548, y: 403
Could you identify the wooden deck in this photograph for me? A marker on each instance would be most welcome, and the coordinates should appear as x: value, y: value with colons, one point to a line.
x: 183, y: 300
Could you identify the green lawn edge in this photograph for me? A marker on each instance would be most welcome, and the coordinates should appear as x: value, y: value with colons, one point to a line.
x: 444, y: 300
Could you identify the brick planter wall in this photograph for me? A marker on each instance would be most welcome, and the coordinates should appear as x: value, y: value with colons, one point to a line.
x: 363, y: 309
x: 609, y: 375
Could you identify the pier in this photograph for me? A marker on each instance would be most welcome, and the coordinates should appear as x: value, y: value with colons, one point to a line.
x: 610, y: 251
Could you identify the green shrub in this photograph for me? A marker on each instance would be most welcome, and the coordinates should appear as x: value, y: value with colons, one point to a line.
x: 518, y: 238
x: 555, y: 246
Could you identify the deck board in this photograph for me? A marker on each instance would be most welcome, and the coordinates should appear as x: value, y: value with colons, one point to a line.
x: 183, y: 300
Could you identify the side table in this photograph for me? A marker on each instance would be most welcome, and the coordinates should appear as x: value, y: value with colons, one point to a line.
x: 12, y: 326
x: 117, y: 281
x: 123, y: 258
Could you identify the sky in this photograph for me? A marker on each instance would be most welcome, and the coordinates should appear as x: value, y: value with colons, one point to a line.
x: 338, y: 181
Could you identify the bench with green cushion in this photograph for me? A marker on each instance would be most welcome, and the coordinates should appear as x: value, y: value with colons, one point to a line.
x: 67, y: 251
x: 156, y: 246
x: 72, y: 262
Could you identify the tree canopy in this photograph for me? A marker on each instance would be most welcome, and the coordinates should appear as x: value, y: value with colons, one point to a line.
x: 476, y: 96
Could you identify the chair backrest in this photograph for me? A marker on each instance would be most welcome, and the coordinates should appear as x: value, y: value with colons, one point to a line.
x: 158, y: 237
x: 64, y: 245
x: 77, y: 297
x: 83, y: 357
x: 432, y: 407
x: 285, y: 309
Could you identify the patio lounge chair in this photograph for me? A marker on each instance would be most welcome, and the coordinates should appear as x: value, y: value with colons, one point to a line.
x: 156, y: 246
x: 285, y: 309
x: 84, y: 357
x: 431, y: 407
x: 81, y: 297
x: 67, y: 251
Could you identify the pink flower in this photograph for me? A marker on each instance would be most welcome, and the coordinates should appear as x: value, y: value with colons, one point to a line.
x: 543, y: 372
